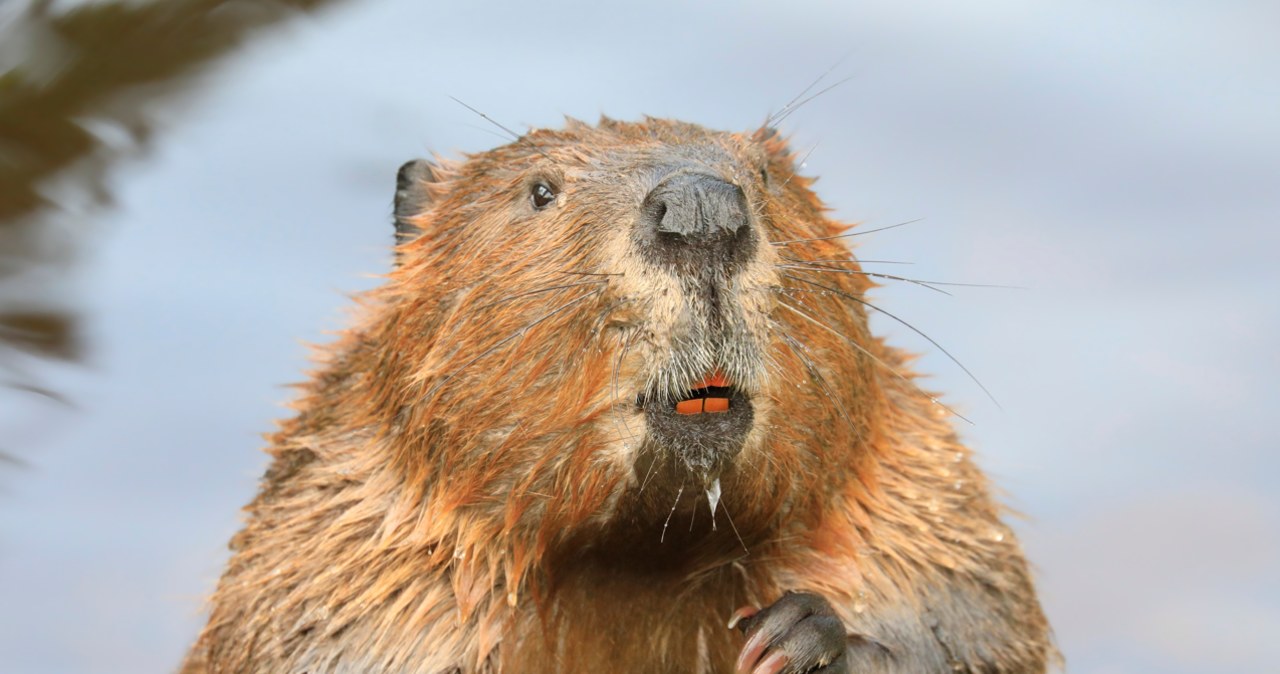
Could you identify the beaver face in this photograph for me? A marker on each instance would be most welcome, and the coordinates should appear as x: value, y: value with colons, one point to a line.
x: 630, y: 282
x: 689, y: 254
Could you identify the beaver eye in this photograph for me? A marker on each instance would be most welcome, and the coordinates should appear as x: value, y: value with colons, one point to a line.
x: 542, y: 195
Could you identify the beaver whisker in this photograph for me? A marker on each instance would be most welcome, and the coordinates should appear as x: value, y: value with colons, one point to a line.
x: 833, y: 260
x: 801, y: 104
x: 903, y: 322
x: 521, y: 331
x: 795, y: 103
x: 887, y: 277
x: 590, y: 273
x: 798, y: 349
x: 518, y: 138
x: 745, y: 551
x: 771, y: 119
x: 809, y: 317
x: 874, y: 358
x: 805, y: 264
x: 617, y: 416
x: 648, y: 474
x: 539, y: 291
x: 663, y: 537
x: 798, y: 165
x: 846, y: 234
x: 597, y: 326
x: 485, y: 129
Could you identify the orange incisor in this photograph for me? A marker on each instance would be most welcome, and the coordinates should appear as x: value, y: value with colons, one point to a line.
x: 698, y: 404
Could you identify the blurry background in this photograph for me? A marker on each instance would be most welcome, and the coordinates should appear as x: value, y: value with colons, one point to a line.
x: 168, y: 243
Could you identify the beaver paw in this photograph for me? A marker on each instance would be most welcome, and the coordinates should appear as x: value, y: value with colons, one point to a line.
x: 798, y: 634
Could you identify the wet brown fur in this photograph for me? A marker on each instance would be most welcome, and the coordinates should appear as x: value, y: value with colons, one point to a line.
x: 463, y: 487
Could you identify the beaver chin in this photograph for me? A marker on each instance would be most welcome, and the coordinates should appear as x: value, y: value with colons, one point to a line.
x: 704, y: 431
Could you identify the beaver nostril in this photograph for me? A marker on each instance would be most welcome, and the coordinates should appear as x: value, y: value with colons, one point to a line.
x: 660, y: 211
x: 695, y: 220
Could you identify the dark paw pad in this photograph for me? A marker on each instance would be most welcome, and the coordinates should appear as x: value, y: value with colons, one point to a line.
x: 798, y: 634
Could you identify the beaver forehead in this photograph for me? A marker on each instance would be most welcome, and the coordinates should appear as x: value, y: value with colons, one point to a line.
x: 654, y: 142
x: 658, y: 161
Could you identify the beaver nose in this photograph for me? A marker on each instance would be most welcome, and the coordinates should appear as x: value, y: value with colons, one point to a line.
x: 696, y: 220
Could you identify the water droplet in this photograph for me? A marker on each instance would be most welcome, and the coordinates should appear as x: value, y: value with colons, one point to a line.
x: 713, y: 496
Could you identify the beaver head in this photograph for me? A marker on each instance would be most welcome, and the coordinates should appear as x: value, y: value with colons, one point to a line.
x: 600, y: 316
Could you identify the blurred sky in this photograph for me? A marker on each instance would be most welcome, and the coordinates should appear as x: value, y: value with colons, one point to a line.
x: 1120, y: 159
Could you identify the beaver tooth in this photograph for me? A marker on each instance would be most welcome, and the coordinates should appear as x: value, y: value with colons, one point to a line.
x: 692, y: 406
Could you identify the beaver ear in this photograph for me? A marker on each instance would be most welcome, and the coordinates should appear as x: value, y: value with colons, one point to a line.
x: 413, y: 196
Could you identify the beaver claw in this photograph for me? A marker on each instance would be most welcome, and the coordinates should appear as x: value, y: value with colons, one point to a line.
x: 798, y: 634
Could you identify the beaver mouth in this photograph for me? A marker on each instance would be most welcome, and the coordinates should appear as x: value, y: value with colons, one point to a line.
x: 706, y: 428
x: 709, y: 396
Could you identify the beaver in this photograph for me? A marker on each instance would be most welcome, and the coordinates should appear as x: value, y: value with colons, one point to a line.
x: 617, y: 407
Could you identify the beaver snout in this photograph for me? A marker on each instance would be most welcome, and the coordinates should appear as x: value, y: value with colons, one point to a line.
x: 696, y: 222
